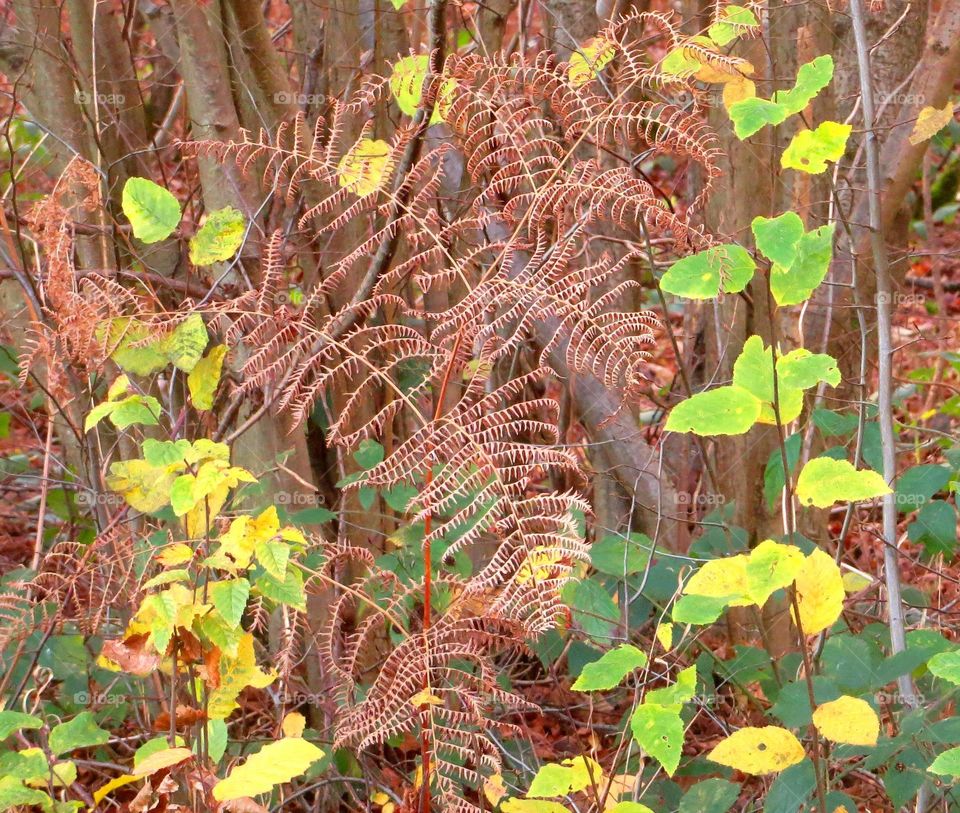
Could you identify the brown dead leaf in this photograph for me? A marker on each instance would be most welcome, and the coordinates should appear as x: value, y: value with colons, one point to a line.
x: 131, y: 656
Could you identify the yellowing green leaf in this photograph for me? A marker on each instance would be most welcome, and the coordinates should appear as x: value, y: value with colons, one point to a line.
x: 11, y: 721
x: 791, y: 285
x: 205, y: 376
x: 275, y: 763
x: 218, y: 238
x: 236, y: 674
x: 947, y: 763
x: 157, y: 761
x: 820, y: 595
x: 930, y: 122
x: 777, y: 237
x: 759, y: 751
x: 628, y: 807
x: 731, y: 23
x: 80, y: 732
x: 406, y: 82
x: 659, y: 731
x: 230, y: 598
x: 152, y: 211
x: 848, y: 720
x: 721, y: 579
x: 810, y: 150
x: 533, y: 806
x: 728, y: 410
x: 589, y: 59
x: 185, y: 345
x: 825, y: 481
x: 679, y: 63
x: 611, y: 668
x: 946, y: 665
x: 770, y: 566
x: 364, y: 166
x: 173, y: 555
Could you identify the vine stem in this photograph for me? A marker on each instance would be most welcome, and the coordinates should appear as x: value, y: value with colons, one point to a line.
x: 878, y: 248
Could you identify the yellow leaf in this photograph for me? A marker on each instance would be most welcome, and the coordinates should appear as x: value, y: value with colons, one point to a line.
x: 819, y: 593
x: 238, y: 544
x: 293, y: 724
x: 379, y: 798
x: 854, y: 581
x: 406, y: 82
x: 274, y: 764
x: 124, y: 779
x: 539, y: 565
x: 930, y: 122
x: 494, y: 789
x: 145, y: 487
x: 737, y: 90
x: 159, y: 760
x: 759, y: 751
x: 425, y: 698
x: 721, y: 578
x: 664, y: 635
x: 364, y: 166
x: 591, y: 58
x: 235, y: 675
x: 175, y: 555
x: 205, y: 376
x: 848, y: 720
x: 532, y: 806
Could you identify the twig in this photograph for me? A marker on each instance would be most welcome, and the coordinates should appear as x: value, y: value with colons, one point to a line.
x: 884, y: 327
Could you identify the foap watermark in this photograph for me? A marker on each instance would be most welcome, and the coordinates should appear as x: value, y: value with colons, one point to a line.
x: 902, y: 98
x: 900, y: 300
x: 88, y: 498
x: 296, y: 498
x: 709, y: 500
x: 86, y: 97
x: 299, y: 99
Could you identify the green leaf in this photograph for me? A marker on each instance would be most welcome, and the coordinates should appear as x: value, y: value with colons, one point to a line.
x: 186, y: 344
x: 777, y: 237
x: 730, y: 24
x: 918, y: 484
x: 728, y: 410
x: 137, y: 409
x: 274, y: 557
x: 275, y: 763
x: 628, y: 807
x: 793, y: 285
x: 369, y: 453
x: 406, y: 82
x: 11, y: 721
x: 152, y: 211
x: 946, y: 665
x: 621, y: 556
x: 727, y: 267
x: 935, y: 527
x: 398, y: 4
x: 592, y: 607
x: 749, y: 116
x: 230, y: 598
x: 13, y: 793
x: 698, y: 609
x: 680, y: 692
x: 811, y: 149
x: 551, y: 780
x: 29, y: 763
x: 205, y: 376
x: 610, y: 669
x: 947, y: 764
x: 659, y: 731
x: 679, y: 63
x: 288, y: 591
x: 811, y: 79
x: 710, y: 796
x: 216, y: 739
x: 219, y: 237
x: 80, y: 732
x: 800, y: 369
x: 825, y: 481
